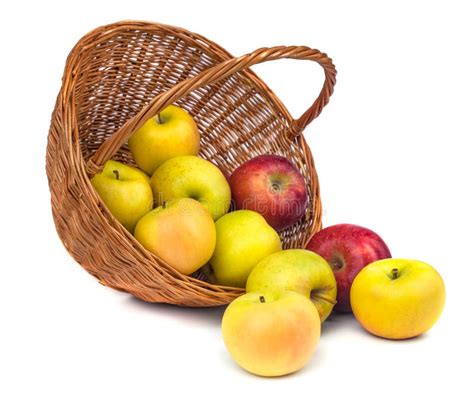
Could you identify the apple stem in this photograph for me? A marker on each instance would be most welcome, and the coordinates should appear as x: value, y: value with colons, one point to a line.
x: 159, y: 119
x: 315, y: 295
x: 116, y: 173
x: 394, y: 274
x: 262, y: 299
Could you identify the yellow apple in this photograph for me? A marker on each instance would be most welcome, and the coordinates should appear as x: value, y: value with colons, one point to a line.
x: 244, y: 238
x: 183, y: 234
x: 171, y: 133
x: 193, y: 177
x: 271, y: 334
x: 126, y: 192
x: 397, y: 298
x: 300, y: 271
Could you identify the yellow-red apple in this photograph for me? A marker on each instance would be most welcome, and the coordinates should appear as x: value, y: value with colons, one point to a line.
x: 271, y: 334
x: 182, y: 233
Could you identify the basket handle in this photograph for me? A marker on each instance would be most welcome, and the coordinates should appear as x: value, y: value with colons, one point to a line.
x: 113, y: 143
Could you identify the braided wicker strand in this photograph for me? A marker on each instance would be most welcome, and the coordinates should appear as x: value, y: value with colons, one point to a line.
x: 118, y: 76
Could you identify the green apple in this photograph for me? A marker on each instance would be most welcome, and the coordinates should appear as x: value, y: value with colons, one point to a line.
x: 183, y: 234
x: 170, y: 133
x: 244, y: 238
x: 126, y: 192
x: 192, y: 177
x: 397, y: 298
x: 300, y: 271
x: 271, y: 334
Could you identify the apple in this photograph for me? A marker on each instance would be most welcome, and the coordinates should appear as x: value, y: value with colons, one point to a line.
x: 272, y: 186
x: 271, y: 334
x: 347, y: 248
x: 244, y: 238
x: 170, y: 133
x: 183, y: 234
x: 299, y: 271
x: 398, y: 298
x: 192, y: 177
x: 126, y: 192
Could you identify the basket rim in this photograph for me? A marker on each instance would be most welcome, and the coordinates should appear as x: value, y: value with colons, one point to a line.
x: 205, y: 44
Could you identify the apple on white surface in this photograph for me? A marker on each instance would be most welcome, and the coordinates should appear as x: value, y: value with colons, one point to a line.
x: 271, y: 334
x: 126, y: 192
x: 347, y: 248
x: 170, y: 133
x: 398, y: 298
x: 299, y: 271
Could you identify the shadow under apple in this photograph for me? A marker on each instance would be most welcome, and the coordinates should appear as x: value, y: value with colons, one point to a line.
x: 196, y: 315
x: 346, y: 322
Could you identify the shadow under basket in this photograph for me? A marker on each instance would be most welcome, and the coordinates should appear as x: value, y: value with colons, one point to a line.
x: 118, y: 76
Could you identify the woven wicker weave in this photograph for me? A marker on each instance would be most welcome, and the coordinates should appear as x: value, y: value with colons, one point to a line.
x: 119, y: 75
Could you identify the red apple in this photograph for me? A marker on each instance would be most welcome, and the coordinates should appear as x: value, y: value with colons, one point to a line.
x: 347, y: 248
x: 272, y: 186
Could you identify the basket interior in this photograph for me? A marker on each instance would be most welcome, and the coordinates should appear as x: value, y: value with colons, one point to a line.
x: 237, y: 119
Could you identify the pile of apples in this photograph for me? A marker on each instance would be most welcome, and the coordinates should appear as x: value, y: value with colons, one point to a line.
x: 177, y: 206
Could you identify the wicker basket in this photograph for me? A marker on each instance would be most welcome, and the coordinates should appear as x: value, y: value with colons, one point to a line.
x: 118, y: 76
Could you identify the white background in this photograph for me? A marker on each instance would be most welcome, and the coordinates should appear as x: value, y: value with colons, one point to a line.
x: 394, y: 152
